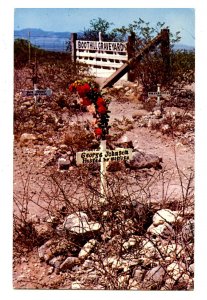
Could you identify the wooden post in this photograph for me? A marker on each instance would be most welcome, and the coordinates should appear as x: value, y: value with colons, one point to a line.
x: 136, y: 59
x: 103, y: 187
x: 73, y: 46
x: 100, y: 36
x: 103, y: 157
x: 158, y: 94
x: 73, y: 49
x: 165, y: 50
x: 131, y: 54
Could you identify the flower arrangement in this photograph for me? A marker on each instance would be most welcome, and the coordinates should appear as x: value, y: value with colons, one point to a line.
x: 91, y: 97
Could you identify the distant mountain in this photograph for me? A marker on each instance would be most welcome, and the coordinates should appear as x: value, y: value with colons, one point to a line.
x: 48, y: 40
x: 57, y: 41
x: 183, y: 47
x: 34, y: 32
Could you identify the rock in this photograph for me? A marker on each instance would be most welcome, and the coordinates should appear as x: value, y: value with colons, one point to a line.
x: 153, y: 124
x: 145, y: 261
x: 165, y: 128
x: 50, y: 150
x: 164, y: 215
x: 157, y: 112
x: 154, y: 276
x: 138, y: 274
x: 141, y: 160
x: 78, y: 223
x: 63, y: 147
x: 168, y: 284
x: 44, y: 251
x: 53, y: 248
x: 188, y: 231
x: 56, y: 261
x: 149, y: 250
x: 107, y: 214
x: 176, y: 269
x: 50, y: 270
x: 172, y: 251
x: 119, y: 263
x: 140, y: 113
x: 162, y: 230
x: 88, y: 264
x: 63, y: 163
x: 52, y: 219
x: 27, y: 137
x: 134, y: 284
x: 122, y: 279
x: 69, y: 263
x: 87, y: 249
x: 43, y: 231
x: 131, y: 242
x: 76, y: 285
x: 191, y: 268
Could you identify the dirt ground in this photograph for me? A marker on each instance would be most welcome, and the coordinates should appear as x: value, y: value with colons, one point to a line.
x: 29, y: 271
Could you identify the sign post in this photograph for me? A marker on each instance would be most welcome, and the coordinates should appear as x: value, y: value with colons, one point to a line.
x: 103, y: 156
x: 103, y: 186
x: 158, y: 94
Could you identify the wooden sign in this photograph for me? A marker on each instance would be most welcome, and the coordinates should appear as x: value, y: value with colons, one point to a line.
x: 155, y: 94
x: 119, y: 154
x: 101, y: 46
x: 37, y: 92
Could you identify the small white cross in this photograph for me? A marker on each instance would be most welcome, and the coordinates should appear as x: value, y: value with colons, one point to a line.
x: 158, y: 94
x: 103, y: 156
x: 37, y: 92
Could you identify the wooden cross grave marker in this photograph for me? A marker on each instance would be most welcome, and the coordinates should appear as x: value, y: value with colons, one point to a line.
x: 158, y: 94
x: 37, y: 92
x: 103, y: 156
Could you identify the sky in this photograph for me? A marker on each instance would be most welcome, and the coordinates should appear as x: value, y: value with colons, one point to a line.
x: 78, y: 19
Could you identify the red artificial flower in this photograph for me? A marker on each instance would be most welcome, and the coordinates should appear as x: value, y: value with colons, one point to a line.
x: 71, y: 87
x: 86, y: 102
x: 98, y: 131
x: 102, y: 109
x: 100, y: 101
x: 83, y: 89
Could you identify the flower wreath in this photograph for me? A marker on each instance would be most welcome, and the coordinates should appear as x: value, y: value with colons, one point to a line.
x: 91, y: 97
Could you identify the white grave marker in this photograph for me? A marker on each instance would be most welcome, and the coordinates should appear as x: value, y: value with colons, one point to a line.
x: 37, y: 92
x: 103, y: 156
x: 158, y: 94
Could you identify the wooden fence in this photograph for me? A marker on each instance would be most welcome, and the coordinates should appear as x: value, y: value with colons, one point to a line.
x: 115, y: 60
x: 104, y: 58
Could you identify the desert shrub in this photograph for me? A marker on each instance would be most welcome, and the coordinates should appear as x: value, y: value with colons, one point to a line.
x: 123, y: 240
x: 78, y: 138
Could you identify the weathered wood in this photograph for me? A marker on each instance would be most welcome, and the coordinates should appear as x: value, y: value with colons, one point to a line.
x: 129, y: 64
x: 73, y: 46
x: 84, y: 54
x: 165, y: 50
x: 131, y: 53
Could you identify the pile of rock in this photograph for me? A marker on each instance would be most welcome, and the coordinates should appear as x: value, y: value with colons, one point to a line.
x: 96, y: 251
